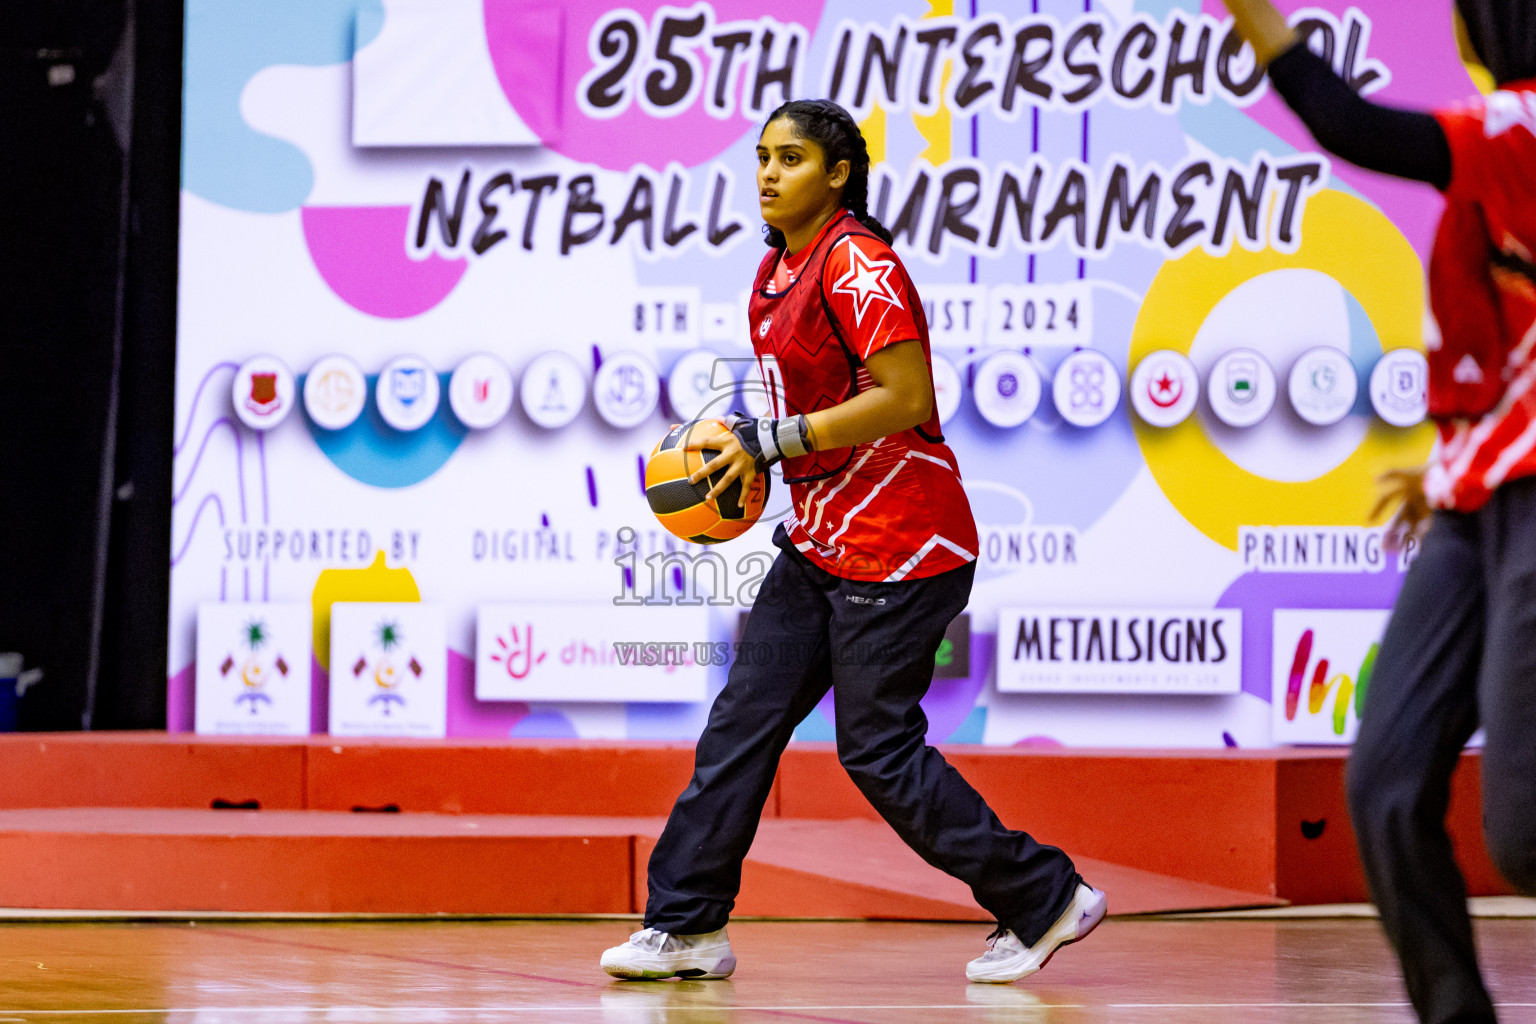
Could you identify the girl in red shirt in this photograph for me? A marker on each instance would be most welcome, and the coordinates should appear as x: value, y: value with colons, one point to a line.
x: 1460, y: 650
x: 876, y: 559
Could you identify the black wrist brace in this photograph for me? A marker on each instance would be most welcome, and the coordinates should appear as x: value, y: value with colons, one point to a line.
x: 769, y: 440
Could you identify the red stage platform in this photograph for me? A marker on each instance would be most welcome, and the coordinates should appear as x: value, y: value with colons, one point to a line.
x: 152, y: 822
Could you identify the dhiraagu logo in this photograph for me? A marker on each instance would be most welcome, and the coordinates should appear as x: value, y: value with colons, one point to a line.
x: 1323, y: 662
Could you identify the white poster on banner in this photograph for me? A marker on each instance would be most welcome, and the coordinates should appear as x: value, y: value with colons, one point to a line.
x: 428, y: 77
x: 253, y: 669
x: 593, y: 652
x: 1119, y: 650
x: 1322, y: 668
x: 389, y: 670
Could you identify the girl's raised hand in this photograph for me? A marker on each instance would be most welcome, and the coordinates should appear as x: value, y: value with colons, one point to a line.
x: 1263, y: 27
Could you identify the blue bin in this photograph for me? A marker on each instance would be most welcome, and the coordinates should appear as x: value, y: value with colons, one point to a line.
x: 10, y: 673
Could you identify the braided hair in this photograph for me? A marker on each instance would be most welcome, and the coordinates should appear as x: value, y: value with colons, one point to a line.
x: 833, y: 129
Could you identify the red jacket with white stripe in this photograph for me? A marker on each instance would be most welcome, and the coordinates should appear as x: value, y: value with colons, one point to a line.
x: 890, y: 510
x: 1482, y: 289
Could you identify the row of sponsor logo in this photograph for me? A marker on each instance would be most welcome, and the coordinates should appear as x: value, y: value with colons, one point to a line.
x: 389, y: 667
x: 1008, y: 388
x: 1241, y: 387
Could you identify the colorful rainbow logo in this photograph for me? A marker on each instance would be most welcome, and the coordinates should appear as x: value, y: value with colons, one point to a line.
x: 1317, y: 692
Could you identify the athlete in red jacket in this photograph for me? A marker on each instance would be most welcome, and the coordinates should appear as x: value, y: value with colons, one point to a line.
x: 877, y: 558
x: 1460, y: 650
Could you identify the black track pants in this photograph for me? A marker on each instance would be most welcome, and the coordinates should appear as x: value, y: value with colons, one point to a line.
x: 1459, y: 652
x: 873, y: 644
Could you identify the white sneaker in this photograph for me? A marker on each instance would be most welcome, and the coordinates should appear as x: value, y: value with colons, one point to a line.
x: 1008, y: 959
x: 653, y: 954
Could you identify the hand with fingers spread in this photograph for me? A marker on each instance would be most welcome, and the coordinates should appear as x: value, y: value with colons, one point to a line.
x: 731, y: 461
x: 1405, y: 489
x: 748, y: 447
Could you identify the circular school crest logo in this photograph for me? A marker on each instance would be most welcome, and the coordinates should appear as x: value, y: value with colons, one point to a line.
x: 1323, y: 386
x: 1165, y: 388
x: 554, y: 390
x: 1242, y: 388
x: 1007, y: 389
x: 626, y: 389
x: 1086, y: 388
x: 407, y: 393
x: 480, y: 391
x: 263, y: 392
x: 335, y: 392
x: 1398, y: 387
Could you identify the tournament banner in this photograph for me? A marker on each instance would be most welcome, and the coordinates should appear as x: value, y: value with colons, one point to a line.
x: 451, y: 268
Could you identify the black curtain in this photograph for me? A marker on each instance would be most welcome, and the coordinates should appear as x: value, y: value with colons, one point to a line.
x: 89, y: 158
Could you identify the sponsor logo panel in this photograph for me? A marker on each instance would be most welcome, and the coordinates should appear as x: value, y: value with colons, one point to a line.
x: 1119, y: 650
x: 591, y: 652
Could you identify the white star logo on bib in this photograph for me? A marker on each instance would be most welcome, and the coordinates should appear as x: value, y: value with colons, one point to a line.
x: 867, y: 281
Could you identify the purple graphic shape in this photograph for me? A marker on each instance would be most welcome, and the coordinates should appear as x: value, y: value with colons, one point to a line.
x: 1258, y: 594
x: 192, y: 530
x: 540, y: 60
x: 360, y: 252
x: 477, y: 718
x: 197, y: 395
x: 1427, y: 75
x: 319, y: 697
x: 261, y: 458
x: 545, y: 725
x: 1040, y: 743
x: 197, y: 460
x: 179, y: 710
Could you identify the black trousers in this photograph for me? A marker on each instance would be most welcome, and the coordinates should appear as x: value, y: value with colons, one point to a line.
x: 873, y: 644
x: 1459, y: 652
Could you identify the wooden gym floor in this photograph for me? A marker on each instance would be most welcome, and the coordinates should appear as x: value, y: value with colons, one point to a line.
x: 1135, y: 971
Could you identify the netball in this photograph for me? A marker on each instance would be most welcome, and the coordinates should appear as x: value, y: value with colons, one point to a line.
x: 683, y: 507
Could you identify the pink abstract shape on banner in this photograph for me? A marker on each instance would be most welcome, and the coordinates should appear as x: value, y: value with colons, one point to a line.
x: 319, y: 696
x: 180, y: 713
x: 360, y: 252
x: 539, y: 51
x: 470, y: 717
x: 1427, y: 75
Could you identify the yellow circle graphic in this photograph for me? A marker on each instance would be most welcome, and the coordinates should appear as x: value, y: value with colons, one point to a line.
x: 1355, y: 244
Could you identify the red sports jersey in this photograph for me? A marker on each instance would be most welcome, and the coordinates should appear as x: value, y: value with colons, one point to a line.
x: 889, y: 510
x: 1483, y: 296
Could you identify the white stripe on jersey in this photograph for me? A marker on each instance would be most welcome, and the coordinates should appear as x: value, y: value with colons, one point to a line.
x: 821, y: 506
x: 1491, y: 422
x: 936, y: 462
x: 1522, y: 351
x: 1518, y: 449
x: 848, y: 519
x: 924, y: 551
